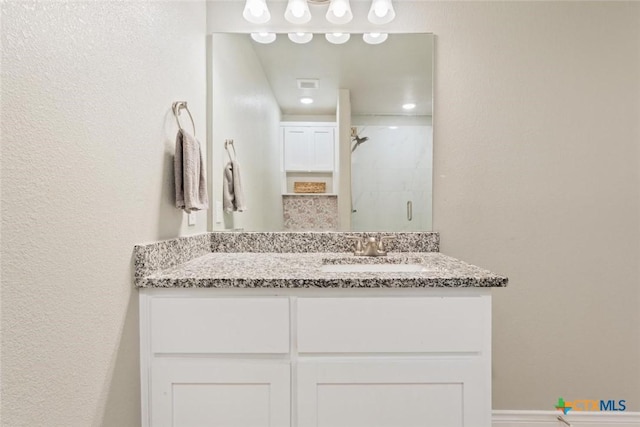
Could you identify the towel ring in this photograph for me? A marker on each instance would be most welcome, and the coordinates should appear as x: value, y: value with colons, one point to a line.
x: 176, y: 107
x: 227, y: 143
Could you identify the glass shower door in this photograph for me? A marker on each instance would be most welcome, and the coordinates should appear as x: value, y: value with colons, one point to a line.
x: 391, y: 178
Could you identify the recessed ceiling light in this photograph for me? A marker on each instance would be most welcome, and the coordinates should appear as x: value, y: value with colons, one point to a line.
x: 374, y: 38
x: 306, y: 100
x: 300, y: 38
x: 393, y: 127
x: 264, y: 38
x: 409, y: 106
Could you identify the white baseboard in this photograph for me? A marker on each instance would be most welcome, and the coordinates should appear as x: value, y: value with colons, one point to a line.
x: 577, y: 419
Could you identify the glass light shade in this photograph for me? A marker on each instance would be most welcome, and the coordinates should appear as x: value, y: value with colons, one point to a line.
x: 297, y: 12
x: 256, y: 11
x: 381, y: 12
x: 375, y: 38
x: 339, y: 12
x: 337, y: 38
x: 264, y: 38
x: 300, y: 38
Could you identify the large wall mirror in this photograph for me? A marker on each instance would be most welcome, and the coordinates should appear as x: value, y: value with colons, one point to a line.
x: 326, y: 136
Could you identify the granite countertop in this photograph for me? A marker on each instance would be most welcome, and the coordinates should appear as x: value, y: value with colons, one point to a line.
x: 304, y: 270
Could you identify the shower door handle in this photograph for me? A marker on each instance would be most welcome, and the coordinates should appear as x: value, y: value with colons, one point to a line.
x: 409, y: 210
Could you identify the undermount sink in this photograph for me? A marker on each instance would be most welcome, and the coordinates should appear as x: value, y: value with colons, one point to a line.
x: 372, y: 268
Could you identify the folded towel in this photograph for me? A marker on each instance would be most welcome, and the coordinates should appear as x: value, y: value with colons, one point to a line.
x: 232, y: 194
x: 190, y: 173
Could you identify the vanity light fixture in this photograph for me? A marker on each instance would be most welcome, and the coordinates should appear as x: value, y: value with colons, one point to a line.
x: 337, y: 38
x: 264, y: 38
x: 381, y: 12
x: 339, y: 12
x: 409, y: 106
x: 297, y: 12
x: 306, y: 100
x: 300, y: 38
x: 256, y: 11
x: 374, y: 38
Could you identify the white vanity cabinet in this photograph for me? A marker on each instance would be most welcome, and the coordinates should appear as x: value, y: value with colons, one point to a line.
x: 316, y: 357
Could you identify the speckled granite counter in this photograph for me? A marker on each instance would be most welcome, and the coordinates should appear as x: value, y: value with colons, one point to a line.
x: 209, y: 260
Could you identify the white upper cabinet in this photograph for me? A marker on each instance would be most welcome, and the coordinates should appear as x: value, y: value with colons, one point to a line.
x: 309, y: 148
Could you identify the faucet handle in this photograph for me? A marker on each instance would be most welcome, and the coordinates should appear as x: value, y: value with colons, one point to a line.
x: 357, y: 250
x: 381, y: 241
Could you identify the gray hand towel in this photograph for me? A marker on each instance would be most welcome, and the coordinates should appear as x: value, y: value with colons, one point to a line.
x: 232, y: 194
x: 190, y: 173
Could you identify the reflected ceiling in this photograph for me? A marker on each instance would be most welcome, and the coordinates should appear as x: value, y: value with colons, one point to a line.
x: 381, y: 78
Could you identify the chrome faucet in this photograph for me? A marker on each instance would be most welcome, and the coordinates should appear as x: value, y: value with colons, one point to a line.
x: 371, y: 246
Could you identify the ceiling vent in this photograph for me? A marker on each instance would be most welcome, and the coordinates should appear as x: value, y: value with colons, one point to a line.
x: 307, y: 83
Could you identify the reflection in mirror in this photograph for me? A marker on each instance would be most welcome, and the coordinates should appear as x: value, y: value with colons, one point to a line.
x: 327, y: 137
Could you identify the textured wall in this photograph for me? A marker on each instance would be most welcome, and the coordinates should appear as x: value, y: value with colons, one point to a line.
x: 536, y: 175
x: 87, y: 139
x: 245, y: 110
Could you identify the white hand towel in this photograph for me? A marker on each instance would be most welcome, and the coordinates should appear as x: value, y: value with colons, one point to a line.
x: 232, y: 194
x: 190, y: 173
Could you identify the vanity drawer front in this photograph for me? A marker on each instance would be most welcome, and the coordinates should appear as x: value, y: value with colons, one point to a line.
x: 219, y: 325
x: 392, y: 325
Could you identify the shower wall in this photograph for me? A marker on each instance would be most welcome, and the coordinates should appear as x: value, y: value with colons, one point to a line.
x: 393, y: 167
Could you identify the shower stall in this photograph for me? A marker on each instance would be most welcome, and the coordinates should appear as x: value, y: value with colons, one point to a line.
x: 391, y: 178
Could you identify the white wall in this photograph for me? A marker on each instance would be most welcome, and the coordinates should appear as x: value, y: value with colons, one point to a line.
x: 87, y: 144
x: 245, y: 110
x: 536, y: 175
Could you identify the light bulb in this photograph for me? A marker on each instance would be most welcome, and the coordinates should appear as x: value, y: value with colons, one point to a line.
x: 381, y: 12
x: 297, y: 9
x: 297, y: 12
x: 300, y: 37
x: 375, y: 38
x: 255, y: 9
x: 256, y: 12
x: 264, y: 37
x: 337, y: 38
x: 380, y: 9
x: 339, y: 10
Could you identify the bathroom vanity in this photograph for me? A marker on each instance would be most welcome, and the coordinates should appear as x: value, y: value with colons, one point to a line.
x: 290, y: 329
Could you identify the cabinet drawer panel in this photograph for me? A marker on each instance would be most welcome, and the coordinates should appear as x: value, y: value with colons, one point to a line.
x: 220, y: 325
x: 391, y: 325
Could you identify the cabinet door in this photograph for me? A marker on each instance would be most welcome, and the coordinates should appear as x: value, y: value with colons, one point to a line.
x: 438, y: 393
x: 204, y: 392
x: 297, y: 149
x: 322, y: 140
